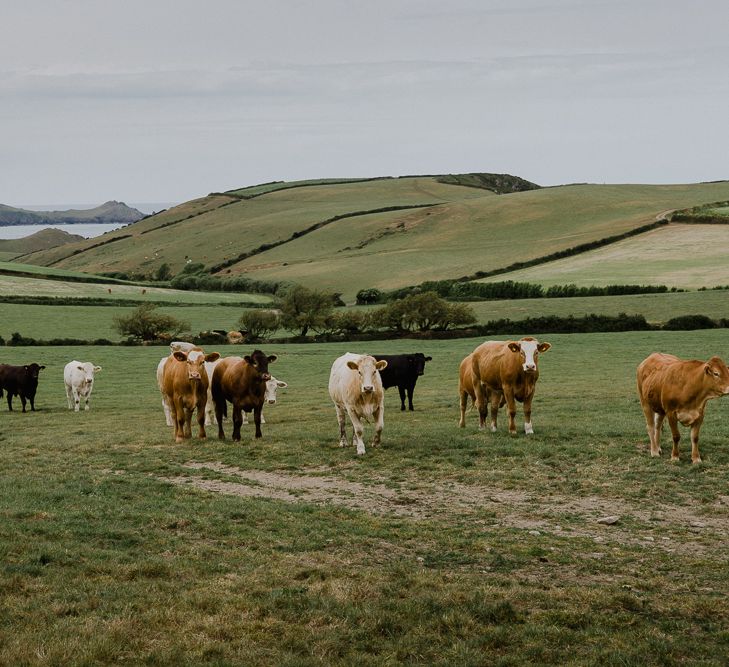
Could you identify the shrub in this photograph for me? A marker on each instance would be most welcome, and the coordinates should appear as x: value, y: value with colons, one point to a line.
x: 303, y: 309
x: 689, y: 322
x: 422, y: 312
x: 145, y: 324
x: 259, y: 323
x: 369, y: 296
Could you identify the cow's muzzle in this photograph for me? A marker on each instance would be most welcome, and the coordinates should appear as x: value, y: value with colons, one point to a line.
x: 530, y: 368
x: 272, y: 402
x: 368, y: 389
x: 265, y: 376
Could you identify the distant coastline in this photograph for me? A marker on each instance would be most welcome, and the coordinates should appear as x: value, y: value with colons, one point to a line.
x: 111, y: 212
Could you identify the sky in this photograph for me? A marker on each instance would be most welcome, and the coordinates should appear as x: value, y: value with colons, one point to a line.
x: 168, y: 100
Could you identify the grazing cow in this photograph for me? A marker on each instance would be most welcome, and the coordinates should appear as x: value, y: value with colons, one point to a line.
x: 184, y: 385
x: 356, y: 389
x: 466, y: 387
x: 669, y: 387
x: 20, y: 381
x: 403, y: 371
x: 272, y: 386
x: 79, y: 379
x: 242, y: 382
x: 182, y: 346
x: 506, y: 372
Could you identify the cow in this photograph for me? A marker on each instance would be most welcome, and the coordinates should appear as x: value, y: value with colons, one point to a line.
x: 355, y: 387
x: 466, y: 387
x: 402, y: 371
x: 78, y: 377
x: 182, y: 346
x: 20, y: 381
x: 241, y: 382
x: 235, y: 337
x: 505, y: 372
x: 677, y: 389
x: 184, y: 385
x: 272, y: 386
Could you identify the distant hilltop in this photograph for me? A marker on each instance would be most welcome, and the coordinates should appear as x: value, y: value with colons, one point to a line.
x: 111, y: 212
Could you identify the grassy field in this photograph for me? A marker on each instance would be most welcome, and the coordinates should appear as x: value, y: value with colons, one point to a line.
x: 20, y: 286
x: 687, y: 256
x: 444, y: 546
x: 466, y: 230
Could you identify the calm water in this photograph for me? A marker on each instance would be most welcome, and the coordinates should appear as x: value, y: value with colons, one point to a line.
x: 19, y: 231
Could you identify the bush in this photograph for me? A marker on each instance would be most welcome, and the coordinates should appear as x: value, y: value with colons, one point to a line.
x: 689, y: 322
x: 369, y: 296
x: 303, y: 309
x: 422, y: 312
x: 145, y: 324
x: 260, y: 323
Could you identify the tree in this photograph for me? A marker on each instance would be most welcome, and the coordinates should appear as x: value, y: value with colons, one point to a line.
x: 259, y: 323
x: 423, y: 312
x: 369, y: 296
x: 163, y: 272
x: 143, y: 323
x: 303, y: 309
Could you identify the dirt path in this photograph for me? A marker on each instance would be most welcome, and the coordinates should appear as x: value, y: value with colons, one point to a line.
x: 670, y: 528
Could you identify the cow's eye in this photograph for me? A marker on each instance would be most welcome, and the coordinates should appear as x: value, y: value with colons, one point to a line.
x: 715, y: 373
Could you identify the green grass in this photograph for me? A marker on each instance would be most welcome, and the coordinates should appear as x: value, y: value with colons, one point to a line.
x: 469, y: 230
x: 678, y: 255
x: 444, y: 546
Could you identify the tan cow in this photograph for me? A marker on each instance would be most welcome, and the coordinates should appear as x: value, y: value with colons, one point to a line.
x: 184, y: 385
x: 669, y: 387
x: 241, y: 382
x: 506, y: 372
x: 355, y: 387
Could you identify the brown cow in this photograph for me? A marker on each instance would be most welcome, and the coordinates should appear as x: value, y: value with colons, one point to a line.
x: 243, y: 383
x: 506, y: 372
x: 184, y: 385
x: 669, y: 387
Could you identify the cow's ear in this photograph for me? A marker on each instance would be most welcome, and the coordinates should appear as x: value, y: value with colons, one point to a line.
x: 180, y: 356
x: 248, y: 359
x: 353, y: 365
x: 40, y: 368
x: 428, y: 358
x: 213, y: 356
x: 97, y: 369
x: 515, y: 347
x: 707, y: 369
x: 381, y: 365
x: 543, y: 347
x: 281, y: 385
x: 272, y: 358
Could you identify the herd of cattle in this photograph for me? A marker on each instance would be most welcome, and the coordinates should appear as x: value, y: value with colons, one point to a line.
x: 495, y: 374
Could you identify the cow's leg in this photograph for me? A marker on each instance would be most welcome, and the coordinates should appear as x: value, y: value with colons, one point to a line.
x: 650, y: 427
x: 342, y: 421
x: 695, y: 428
x: 219, y: 417
x: 201, y: 415
x: 76, y: 399
x: 495, y: 400
x: 481, y: 398
x: 463, y: 400
x: 528, y: 428
x: 511, y: 407
x: 673, y: 423
x: 379, y: 416
x: 401, y: 391
x: 22, y: 400
x: 410, y: 389
x: 69, y: 397
x: 188, y: 421
x: 178, y: 415
x: 10, y: 402
x: 237, y: 420
x: 657, y: 428
x: 257, y: 420
x: 88, y: 398
x: 168, y: 411
x: 358, y: 430
x: 210, y: 412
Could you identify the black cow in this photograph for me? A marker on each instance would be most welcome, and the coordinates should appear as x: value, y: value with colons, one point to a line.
x: 402, y: 372
x: 20, y: 381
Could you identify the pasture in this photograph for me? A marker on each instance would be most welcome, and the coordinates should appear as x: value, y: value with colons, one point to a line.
x: 444, y: 546
x: 678, y: 255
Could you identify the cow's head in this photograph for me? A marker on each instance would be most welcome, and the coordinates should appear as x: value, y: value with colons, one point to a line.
x: 260, y: 362
x: 368, y: 368
x: 529, y: 349
x: 272, y: 386
x: 88, y: 371
x: 416, y: 362
x: 33, y: 370
x: 195, y: 360
x: 718, y: 375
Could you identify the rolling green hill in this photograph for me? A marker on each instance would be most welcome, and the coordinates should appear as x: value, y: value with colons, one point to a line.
x: 388, y: 232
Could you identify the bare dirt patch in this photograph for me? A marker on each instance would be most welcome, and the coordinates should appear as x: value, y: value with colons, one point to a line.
x: 670, y: 528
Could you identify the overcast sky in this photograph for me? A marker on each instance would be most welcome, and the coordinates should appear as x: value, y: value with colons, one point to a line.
x: 166, y: 100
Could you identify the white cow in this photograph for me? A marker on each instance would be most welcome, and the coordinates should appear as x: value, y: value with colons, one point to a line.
x: 356, y: 388
x: 79, y: 379
x: 272, y: 386
x: 193, y: 351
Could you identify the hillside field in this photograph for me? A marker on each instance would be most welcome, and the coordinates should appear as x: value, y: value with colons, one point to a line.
x: 321, y: 235
x: 678, y: 255
x: 443, y: 546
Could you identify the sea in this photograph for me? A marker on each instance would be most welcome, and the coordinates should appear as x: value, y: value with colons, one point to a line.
x: 83, y: 229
